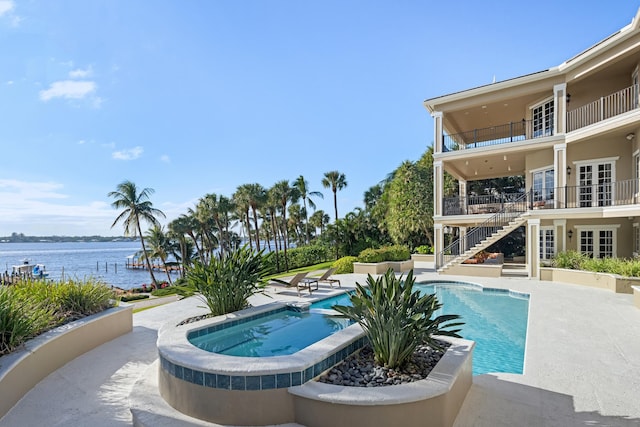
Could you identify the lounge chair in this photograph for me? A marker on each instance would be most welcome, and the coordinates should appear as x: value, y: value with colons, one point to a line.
x: 325, y: 277
x: 296, y: 281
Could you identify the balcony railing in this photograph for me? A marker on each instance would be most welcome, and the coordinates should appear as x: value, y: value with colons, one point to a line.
x: 601, y: 109
x: 604, y: 108
x: 477, y: 234
x: 618, y: 193
x: 500, y: 134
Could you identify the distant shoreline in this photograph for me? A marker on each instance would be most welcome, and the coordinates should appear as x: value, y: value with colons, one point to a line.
x: 19, y: 238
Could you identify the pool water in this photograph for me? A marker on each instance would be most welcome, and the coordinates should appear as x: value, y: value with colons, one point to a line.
x: 277, y: 334
x: 495, y: 319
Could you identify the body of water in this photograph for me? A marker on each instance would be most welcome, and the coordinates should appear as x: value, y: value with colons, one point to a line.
x: 104, y: 260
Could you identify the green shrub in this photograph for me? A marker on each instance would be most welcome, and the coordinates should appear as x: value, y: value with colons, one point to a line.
x: 163, y: 292
x: 227, y: 282
x: 386, y: 253
x: 397, y: 253
x: 371, y: 255
x: 569, y: 259
x: 133, y: 297
x: 297, y: 257
x: 424, y: 250
x: 75, y: 298
x: 21, y: 318
x: 344, y: 265
x: 397, y: 319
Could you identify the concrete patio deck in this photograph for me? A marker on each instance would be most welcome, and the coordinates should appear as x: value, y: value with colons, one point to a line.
x: 582, y: 365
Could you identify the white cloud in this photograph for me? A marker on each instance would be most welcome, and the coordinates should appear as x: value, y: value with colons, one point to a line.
x: 9, y: 82
x: 6, y: 6
x: 79, y: 73
x: 129, y: 154
x: 69, y: 89
x: 12, y: 188
x: 165, y: 158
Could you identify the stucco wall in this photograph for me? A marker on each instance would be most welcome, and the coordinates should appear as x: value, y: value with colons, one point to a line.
x: 22, y: 370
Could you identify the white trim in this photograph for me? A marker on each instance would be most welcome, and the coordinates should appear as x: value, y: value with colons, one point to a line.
x: 597, y: 227
x: 437, y: 163
x: 560, y: 147
x: 542, y: 101
x: 635, y: 153
x: 544, y: 168
x: 596, y: 161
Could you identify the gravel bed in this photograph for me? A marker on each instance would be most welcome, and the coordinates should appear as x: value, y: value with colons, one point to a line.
x: 360, y: 369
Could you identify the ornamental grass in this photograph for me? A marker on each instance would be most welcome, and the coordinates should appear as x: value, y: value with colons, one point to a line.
x: 33, y: 306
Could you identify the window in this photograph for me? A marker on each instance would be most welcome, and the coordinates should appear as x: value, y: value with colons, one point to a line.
x: 636, y: 240
x: 542, y: 185
x: 598, y: 242
x: 596, y: 182
x: 547, y: 243
x: 636, y: 175
x: 543, y: 119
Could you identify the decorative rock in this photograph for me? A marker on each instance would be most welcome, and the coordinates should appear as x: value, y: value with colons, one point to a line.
x: 360, y: 369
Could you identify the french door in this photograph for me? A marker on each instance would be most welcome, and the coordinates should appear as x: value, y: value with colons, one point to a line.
x: 595, y: 183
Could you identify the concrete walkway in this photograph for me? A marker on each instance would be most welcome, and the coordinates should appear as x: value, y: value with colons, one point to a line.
x: 582, y: 365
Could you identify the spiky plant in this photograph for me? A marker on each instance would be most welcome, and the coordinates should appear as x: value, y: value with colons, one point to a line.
x: 396, y: 318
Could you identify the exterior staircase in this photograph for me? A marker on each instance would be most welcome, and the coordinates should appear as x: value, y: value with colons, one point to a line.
x: 512, y: 216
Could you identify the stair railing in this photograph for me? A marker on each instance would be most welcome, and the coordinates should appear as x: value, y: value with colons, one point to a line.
x: 484, y: 230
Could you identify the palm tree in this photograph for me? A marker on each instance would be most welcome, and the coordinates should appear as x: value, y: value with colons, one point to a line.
x: 319, y: 219
x: 284, y: 194
x: 303, y: 188
x: 255, y: 195
x: 136, y: 207
x: 178, y: 230
x: 159, y: 247
x: 336, y: 181
x: 241, y: 201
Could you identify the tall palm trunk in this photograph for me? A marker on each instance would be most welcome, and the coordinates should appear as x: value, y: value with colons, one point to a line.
x: 144, y: 251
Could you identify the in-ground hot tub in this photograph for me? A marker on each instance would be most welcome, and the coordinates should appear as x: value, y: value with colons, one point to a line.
x: 276, y: 390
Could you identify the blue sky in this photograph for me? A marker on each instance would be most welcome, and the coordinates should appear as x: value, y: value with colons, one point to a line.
x: 200, y: 96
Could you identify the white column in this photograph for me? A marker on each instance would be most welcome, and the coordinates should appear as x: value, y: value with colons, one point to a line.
x: 463, y: 239
x: 559, y: 174
x: 438, y: 242
x: 438, y: 187
x: 560, y: 234
x: 560, y: 108
x: 437, y: 131
x: 462, y: 191
x: 533, y: 248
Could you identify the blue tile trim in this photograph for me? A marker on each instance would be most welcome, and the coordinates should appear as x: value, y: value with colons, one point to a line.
x: 259, y: 382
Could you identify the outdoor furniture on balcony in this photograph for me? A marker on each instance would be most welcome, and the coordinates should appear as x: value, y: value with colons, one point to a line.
x: 619, y: 193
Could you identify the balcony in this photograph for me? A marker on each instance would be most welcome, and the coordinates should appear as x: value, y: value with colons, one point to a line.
x: 618, y: 193
x: 599, y: 110
x: 604, y: 108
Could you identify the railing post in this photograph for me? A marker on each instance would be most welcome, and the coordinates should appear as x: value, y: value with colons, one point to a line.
x: 511, y: 131
x: 566, y: 199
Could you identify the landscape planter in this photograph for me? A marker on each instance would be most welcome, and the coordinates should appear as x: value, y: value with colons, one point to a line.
x: 423, y: 257
x: 21, y: 370
x: 440, y: 396
x: 477, y: 270
x: 382, y: 267
x: 612, y: 282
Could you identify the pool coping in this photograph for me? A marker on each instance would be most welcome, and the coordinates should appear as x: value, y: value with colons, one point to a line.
x: 185, y: 361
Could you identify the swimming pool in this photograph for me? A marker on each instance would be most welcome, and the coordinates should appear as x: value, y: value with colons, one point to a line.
x: 277, y: 334
x: 496, y: 319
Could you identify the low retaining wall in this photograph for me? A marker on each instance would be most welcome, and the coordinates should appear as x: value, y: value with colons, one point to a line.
x: 382, y: 267
x: 612, y: 282
x: 431, y: 402
x: 21, y: 370
x: 233, y: 390
x: 423, y: 257
x: 477, y: 270
x: 636, y: 296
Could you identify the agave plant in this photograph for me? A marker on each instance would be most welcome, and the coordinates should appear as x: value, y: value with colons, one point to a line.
x: 396, y: 318
x: 227, y: 282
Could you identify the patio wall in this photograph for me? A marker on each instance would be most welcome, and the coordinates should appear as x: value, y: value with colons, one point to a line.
x: 21, y: 370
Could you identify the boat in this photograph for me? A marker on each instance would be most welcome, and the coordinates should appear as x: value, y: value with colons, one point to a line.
x: 26, y: 269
